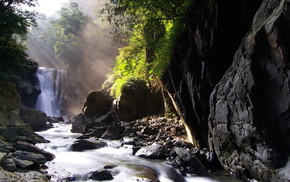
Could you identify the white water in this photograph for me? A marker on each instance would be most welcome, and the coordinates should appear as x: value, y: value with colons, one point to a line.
x: 80, y: 164
x: 51, y: 85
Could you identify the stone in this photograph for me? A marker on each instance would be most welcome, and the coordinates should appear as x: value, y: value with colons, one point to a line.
x: 13, y: 133
x: 29, y: 90
x: 9, y: 104
x: 128, y: 140
x: 81, y: 145
x: 146, y: 174
x: 152, y: 152
x: 190, y: 159
x: 113, y: 133
x: 101, y: 175
x: 20, y: 145
x: 97, y: 104
x: 9, y: 165
x: 101, y: 121
x: 137, y: 100
x: 78, y: 123
x: 6, y: 147
x: 30, y: 156
x: 24, y: 164
x: 34, y: 118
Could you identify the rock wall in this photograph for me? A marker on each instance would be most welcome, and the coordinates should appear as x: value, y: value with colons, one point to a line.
x: 249, y: 117
x: 230, y: 83
x: 202, y: 55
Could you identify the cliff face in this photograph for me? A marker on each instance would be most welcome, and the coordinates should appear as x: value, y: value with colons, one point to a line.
x: 231, y: 85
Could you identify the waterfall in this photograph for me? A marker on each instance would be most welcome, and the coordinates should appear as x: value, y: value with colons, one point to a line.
x: 52, y: 85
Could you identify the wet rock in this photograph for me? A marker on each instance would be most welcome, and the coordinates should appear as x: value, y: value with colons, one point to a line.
x: 81, y: 145
x: 78, y: 123
x: 32, y: 148
x: 128, y: 140
x: 191, y: 161
x: 101, y: 175
x: 152, y: 152
x: 9, y: 165
x: 36, y: 158
x: 61, y: 119
x: 13, y: 133
x: 145, y: 173
x: 113, y: 133
x: 34, y: 118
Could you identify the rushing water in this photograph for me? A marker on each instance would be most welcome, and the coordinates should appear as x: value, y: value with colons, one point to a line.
x: 52, y: 86
x: 78, y: 165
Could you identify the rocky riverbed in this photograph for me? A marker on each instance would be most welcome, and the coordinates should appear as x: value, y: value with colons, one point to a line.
x: 151, y: 138
x: 20, y: 159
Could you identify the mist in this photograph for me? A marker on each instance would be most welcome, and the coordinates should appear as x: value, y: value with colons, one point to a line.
x: 87, y: 67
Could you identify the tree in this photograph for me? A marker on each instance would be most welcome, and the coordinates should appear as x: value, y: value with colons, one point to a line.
x: 151, y: 26
x: 67, y: 30
x: 14, y: 24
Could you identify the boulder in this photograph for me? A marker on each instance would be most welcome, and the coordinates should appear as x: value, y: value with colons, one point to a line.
x: 153, y: 152
x: 101, y: 175
x: 113, y: 133
x: 9, y: 104
x: 13, y: 133
x: 189, y: 158
x: 81, y: 145
x: 97, y: 104
x: 29, y: 91
x: 102, y: 121
x: 9, y: 165
x: 20, y: 145
x: 137, y: 100
x: 78, y: 123
x: 35, y: 118
x: 30, y: 156
x: 24, y: 164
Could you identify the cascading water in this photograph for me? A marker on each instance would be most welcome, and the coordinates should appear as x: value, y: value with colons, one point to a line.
x: 52, y: 85
x: 71, y: 165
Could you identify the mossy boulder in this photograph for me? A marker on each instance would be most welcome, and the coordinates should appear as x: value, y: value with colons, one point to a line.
x: 137, y: 100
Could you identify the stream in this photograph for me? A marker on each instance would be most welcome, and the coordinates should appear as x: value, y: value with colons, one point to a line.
x: 124, y: 167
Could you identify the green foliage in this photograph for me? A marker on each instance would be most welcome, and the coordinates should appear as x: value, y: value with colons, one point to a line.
x: 63, y: 35
x: 154, y: 27
x: 14, y: 24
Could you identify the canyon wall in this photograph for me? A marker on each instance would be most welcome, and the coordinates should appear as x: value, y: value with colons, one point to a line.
x: 230, y: 82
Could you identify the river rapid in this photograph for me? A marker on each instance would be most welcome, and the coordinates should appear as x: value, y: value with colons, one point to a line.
x: 77, y: 166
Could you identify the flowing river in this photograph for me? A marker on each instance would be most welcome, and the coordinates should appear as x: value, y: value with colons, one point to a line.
x: 77, y: 166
